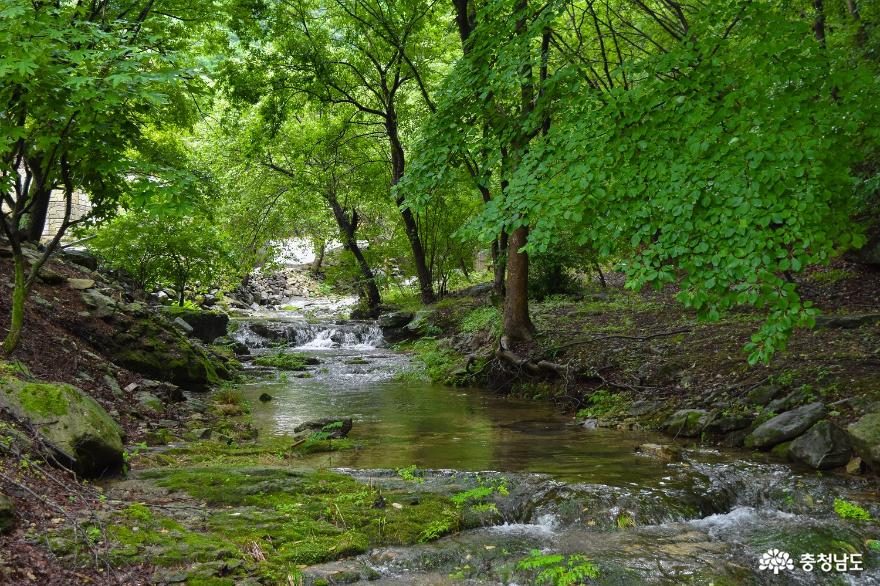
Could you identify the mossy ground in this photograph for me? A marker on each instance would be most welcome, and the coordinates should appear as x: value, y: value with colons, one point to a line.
x: 266, y: 522
x: 283, y: 361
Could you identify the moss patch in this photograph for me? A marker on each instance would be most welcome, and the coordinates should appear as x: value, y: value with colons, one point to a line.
x: 45, y: 399
x: 292, y: 517
x: 283, y: 361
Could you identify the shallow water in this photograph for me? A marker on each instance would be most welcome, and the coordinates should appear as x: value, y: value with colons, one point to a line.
x: 703, y: 520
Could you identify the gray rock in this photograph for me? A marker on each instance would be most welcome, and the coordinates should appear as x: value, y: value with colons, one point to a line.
x: 590, y: 424
x: 205, y: 325
x: 763, y: 395
x: 82, y: 258
x: 823, y: 446
x: 847, y: 322
x: 100, y: 306
x: 639, y: 408
x: 113, y: 385
x: 185, y: 327
x: 80, y: 284
x: 396, y: 319
x: 686, y: 422
x: 864, y: 436
x: 149, y: 402
x: 725, y: 424
x: 7, y: 514
x: 786, y: 426
x: 80, y: 431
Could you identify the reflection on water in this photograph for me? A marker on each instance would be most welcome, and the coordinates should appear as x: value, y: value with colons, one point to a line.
x: 431, y: 426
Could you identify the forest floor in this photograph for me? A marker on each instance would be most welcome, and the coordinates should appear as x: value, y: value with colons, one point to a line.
x: 632, y: 358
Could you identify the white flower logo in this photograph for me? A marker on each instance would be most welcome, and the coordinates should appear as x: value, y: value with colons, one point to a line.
x: 775, y: 560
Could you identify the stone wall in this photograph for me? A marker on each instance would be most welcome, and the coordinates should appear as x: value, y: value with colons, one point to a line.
x: 80, y: 207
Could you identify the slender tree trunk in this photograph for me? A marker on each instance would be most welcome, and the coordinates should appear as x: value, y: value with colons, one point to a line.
x: 499, y: 258
x: 398, y: 163
x: 319, y: 258
x: 517, y: 324
x: 19, y: 294
x: 819, y: 21
x: 348, y: 228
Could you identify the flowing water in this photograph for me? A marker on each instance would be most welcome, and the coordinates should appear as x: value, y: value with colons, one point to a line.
x: 705, y: 519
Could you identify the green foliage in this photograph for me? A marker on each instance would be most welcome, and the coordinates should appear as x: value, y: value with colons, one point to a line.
x: 167, y: 251
x: 409, y: 474
x: 848, y: 510
x: 437, y: 361
x: 481, y: 318
x: 559, y: 570
x: 604, y: 403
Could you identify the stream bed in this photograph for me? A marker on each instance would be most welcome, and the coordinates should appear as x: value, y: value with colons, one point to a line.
x: 707, y: 517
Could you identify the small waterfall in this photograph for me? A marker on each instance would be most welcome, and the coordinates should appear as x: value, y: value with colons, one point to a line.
x: 257, y: 334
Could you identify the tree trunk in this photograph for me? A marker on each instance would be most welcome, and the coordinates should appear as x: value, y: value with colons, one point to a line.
x: 348, y: 228
x: 499, y: 261
x: 38, y: 212
x: 819, y: 21
x: 16, y: 322
x: 319, y: 258
x: 517, y: 324
x: 398, y: 163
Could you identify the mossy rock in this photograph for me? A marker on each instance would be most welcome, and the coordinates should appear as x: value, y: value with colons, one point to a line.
x: 206, y: 325
x: 686, y: 422
x: 84, y: 436
x: 864, y: 435
x: 165, y: 354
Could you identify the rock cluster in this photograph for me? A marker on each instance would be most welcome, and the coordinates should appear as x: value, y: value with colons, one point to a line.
x: 273, y: 288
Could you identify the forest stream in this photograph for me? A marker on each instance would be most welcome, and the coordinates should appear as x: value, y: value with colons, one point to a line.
x: 675, y: 514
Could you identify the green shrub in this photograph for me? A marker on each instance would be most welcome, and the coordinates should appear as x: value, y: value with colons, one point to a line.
x: 481, y: 318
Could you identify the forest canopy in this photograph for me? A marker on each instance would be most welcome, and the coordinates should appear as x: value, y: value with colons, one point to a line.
x: 719, y: 148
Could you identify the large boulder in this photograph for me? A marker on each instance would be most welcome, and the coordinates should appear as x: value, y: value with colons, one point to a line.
x: 864, y: 435
x: 206, y: 325
x: 155, y: 349
x: 7, y: 514
x: 786, y: 426
x: 687, y: 422
x: 82, y: 258
x: 823, y: 446
x: 72, y: 423
x: 394, y: 325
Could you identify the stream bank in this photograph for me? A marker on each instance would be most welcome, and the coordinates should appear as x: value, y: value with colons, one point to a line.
x: 434, y: 485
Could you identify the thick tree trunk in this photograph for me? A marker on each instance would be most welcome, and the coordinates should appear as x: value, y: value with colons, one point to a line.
x: 398, y: 164
x: 39, y: 210
x: 517, y: 324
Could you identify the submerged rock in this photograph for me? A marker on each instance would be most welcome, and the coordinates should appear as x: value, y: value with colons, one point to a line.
x: 663, y: 452
x: 864, y: 435
x: 7, y: 514
x: 786, y: 426
x: 80, y: 431
x: 266, y: 397
x: 687, y: 422
x: 336, y: 427
x: 823, y: 446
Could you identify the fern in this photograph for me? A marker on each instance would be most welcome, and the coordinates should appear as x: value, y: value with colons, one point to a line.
x: 559, y: 570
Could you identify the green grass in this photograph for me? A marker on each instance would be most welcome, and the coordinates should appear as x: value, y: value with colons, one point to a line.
x: 604, y: 403
x: 433, y: 361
